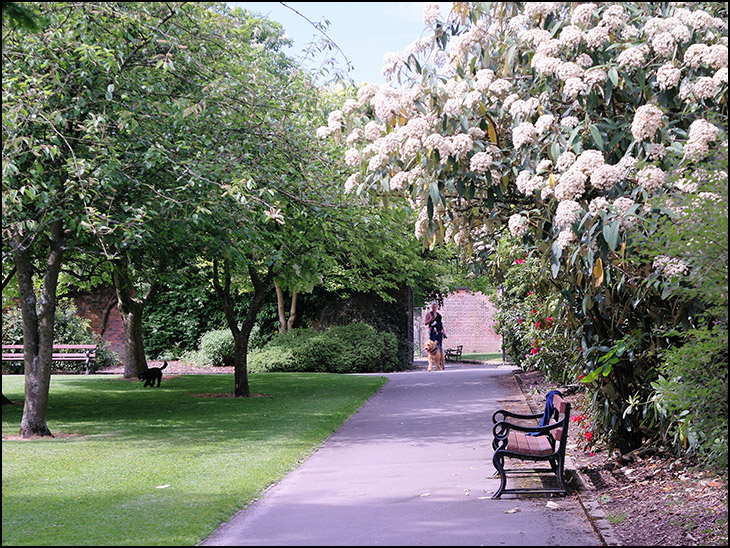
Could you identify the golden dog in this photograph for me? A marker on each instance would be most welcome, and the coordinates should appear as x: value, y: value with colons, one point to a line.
x: 435, y: 356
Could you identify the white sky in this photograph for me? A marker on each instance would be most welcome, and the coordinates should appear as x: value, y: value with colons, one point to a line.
x: 364, y: 31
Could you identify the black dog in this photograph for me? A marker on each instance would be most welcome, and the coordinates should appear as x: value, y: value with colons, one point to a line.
x: 151, y: 375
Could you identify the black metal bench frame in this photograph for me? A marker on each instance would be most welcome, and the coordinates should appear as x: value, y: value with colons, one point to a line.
x: 453, y: 354
x: 512, y: 440
x: 61, y: 353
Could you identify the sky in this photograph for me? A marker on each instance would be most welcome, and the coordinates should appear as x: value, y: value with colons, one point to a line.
x: 364, y: 31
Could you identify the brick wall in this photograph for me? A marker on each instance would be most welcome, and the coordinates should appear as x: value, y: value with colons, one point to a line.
x: 101, y: 310
x: 468, y: 319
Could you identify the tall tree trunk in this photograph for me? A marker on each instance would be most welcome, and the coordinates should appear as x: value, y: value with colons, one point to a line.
x: 38, y: 323
x: 242, y: 333
x: 285, y: 324
x: 131, y: 309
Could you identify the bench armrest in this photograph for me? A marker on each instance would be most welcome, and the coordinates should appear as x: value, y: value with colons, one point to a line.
x: 508, y: 414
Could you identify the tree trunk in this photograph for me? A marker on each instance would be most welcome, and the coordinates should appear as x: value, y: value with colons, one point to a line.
x: 135, y: 361
x: 131, y: 309
x: 285, y: 324
x: 242, y: 333
x: 38, y: 325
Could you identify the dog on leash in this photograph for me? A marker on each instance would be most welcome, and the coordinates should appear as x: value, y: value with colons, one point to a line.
x: 435, y: 356
x: 151, y: 375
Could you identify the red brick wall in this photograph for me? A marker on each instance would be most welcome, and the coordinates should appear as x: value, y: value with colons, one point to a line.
x: 468, y: 319
x: 94, y: 307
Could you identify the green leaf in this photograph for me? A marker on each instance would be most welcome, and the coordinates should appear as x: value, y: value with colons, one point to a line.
x: 611, y: 233
x: 596, y: 135
x: 613, y: 76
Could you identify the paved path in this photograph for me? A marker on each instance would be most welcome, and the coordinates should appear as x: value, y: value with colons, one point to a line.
x: 411, y: 468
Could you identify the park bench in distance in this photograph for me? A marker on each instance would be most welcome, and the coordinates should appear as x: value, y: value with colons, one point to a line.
x: 514, y: 440
x: 453, y: 354
x: 61, y: 353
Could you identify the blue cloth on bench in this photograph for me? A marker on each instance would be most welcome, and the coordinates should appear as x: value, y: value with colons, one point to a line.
x: 549, y: 409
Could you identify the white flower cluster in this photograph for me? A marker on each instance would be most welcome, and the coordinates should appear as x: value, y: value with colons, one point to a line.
x: 651, y: 178
x: 431, y: 13
x: 606, y: 177
x: 668, y: 76
x: 523, y: 134
x: 701, y: 134
x: 583, y: 13
x: 622, y: 205
x: 481, y: 162
x: 565, y: 160
x: 598, y: 205
x: 647, y: 120
x: 565, y: 237
x: 567, y: 213
x: 670, y: 267
x: 518, y: 225
x: 527, y: 183
x: 571, y: 185
x: 714, y: 56
x: 633, y: 57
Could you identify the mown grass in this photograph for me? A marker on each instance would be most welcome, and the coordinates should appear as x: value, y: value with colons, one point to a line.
x: 162, y: 466
x: 488, y: 357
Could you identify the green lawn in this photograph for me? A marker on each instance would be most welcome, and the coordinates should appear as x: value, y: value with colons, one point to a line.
x: 493, y: 357
x: 135, y: 466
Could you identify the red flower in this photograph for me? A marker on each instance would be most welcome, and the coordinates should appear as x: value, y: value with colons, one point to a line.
x: 589, y: 436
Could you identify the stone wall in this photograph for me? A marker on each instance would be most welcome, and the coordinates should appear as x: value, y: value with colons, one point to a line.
x: 468, y: 319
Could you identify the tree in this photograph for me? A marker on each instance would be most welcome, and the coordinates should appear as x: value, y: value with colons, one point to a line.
x: 591, y: 105
x: 102, y: 115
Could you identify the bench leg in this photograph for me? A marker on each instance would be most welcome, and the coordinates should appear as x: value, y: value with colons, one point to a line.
x: 499, y: 465
x: 560, y: 473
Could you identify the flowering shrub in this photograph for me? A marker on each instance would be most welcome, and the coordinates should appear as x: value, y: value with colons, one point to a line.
x: 584, y: 436
x: 559, y: 121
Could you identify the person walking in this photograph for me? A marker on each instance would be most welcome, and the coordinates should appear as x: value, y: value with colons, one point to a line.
x: 435, y: 324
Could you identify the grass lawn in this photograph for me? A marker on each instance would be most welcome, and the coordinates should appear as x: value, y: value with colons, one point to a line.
x: 493, y: 357
x: 161, y: 466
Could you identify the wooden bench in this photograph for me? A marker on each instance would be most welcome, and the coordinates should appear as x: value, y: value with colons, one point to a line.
x: 453, y: 354
x: 61, y: 353
x: 515, y: 440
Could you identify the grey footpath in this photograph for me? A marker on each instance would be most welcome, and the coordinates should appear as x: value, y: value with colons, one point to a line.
x: 411, y: 468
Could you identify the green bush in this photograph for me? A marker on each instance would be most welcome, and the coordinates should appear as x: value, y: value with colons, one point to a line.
x: 69, y: 328
x: 691, y: 395
x: 324, y: 353
x: 218, y: 348
x: 354, y: 348
x: 272, y: 359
